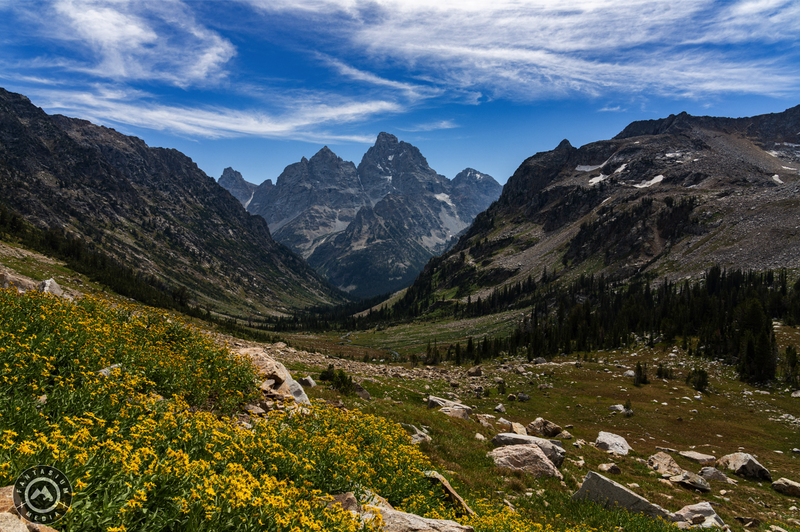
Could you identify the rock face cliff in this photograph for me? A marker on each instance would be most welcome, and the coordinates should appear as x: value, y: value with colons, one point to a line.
x: 149, y: 208
x: 665, y: 197
x: 370, y: 229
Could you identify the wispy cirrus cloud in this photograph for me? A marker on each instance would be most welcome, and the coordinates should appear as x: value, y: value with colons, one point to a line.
x: 126, y: 40
x: 528, y: 50
x: 306, y: 119
x: 431, y: 126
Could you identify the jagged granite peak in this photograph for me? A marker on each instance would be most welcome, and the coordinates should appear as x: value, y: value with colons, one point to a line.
x: 311, y: 200
x: 151, y: 209
x: 233, y: 182
x: 371, y: 229
x: 396, y: 166
x: 665, y: 198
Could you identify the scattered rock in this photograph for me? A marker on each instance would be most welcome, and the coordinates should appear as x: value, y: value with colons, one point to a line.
x: 517, y: 428
x: 542, y: 427
x: 563, y: 435
x: 523, y: 397
x: 254, y: 410
x: 539, y: 360
x: 460, y: 413
x: 106, y: 372
x: 617, y: 408
x: 438, y: 402
x: 529, y: 458
x: 701, y: 515
x: 50, y: 286
x: 417, y: 436
x: 474, y: 371
x: 480, y: 437
x: 691, y: 481
x: 604, y: 491
x: 630, y: 373
x: 611, y: 468
x: 347, y: 501
x: 749, y: 522
x: 552, y: 450
x: 455, y: 499
x: 796, y: 394
x: 500, y: 408
x: 700, y: 458
x: 664, y: 463
x: 787, y: 487
x: 607, y: 441
x: 745, y: 465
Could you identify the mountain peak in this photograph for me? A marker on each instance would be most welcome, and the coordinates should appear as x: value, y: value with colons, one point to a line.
x: 564, y: 145
x: 386, y: 138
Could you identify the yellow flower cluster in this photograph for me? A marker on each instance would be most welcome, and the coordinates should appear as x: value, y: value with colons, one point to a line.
x: 141, y: 462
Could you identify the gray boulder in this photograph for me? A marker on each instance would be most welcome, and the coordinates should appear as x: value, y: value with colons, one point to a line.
x: 745, y: 465
x: 551, y: 449
x: 51, y: 286
x: 787, y: 487
x: 607, y: 441
x: 608, y: 493
x: 796, y: 394
x: 474, y: 371
x: 528, y: 458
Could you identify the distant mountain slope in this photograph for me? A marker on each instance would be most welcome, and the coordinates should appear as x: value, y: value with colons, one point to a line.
x: 666, y: 197
x: 233, y: 182
x: 370, y: 229
x: 150, y: 208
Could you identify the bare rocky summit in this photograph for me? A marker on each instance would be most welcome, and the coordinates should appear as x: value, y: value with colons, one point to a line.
x: 369, y: 229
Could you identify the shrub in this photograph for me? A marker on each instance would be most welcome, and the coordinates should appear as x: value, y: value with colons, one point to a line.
x: 698, y: 379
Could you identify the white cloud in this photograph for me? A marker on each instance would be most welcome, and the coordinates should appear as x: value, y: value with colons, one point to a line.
x: 527, y: 50
x: 303, y: 121
x: 431, y: 126
x: 141, y: 41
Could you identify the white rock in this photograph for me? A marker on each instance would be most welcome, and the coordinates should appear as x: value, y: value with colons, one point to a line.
x: 607, y: 441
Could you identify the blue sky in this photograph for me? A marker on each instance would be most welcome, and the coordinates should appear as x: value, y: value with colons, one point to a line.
x: 257, y: 84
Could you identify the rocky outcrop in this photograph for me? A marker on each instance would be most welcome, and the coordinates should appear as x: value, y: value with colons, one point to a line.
x: 604, y: 491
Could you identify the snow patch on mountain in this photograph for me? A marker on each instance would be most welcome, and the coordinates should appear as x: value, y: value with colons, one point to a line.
x: 645, y: 184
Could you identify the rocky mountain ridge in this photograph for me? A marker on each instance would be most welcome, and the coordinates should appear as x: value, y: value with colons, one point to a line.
x: 151, y: 209
x: 370, y: 229
x: 665, y: 197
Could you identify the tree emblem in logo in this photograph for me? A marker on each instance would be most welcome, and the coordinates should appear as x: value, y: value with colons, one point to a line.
x: 42, y: 494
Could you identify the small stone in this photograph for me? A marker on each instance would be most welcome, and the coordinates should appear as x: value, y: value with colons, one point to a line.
x: 610, y: 468
x: 500, y: 408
